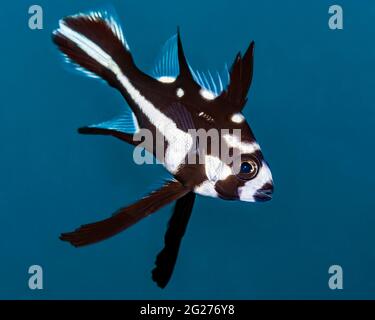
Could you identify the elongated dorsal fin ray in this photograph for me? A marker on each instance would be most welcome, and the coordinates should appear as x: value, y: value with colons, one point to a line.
x: 241, y: 74
x: 184, y: 69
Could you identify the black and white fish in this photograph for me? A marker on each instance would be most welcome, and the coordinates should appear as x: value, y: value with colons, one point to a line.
x: 171, y: 102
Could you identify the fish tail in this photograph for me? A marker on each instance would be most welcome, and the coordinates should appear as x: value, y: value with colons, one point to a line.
x: 95, y: 43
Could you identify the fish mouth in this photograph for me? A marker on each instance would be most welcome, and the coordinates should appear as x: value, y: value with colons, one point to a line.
x: 261, y: 196
x: 264, y: 194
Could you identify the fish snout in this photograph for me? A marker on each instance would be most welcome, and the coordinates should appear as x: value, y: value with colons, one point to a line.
x: 265, y: 192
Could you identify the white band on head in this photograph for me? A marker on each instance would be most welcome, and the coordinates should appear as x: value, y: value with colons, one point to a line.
x: 244, y: 147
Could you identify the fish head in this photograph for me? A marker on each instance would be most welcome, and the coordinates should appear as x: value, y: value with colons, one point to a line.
x: 249, y: 181
x: 242, y: 173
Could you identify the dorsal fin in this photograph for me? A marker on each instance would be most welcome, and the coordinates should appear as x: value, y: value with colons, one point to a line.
x: 213, y: 82
x: 166, y: 67
x: 182, y: 62
x: 241, y: 75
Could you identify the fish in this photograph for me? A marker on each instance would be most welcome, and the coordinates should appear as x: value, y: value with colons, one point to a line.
x: 174, y: 101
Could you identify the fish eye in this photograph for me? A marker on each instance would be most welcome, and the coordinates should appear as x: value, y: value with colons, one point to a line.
x: 248, y: 168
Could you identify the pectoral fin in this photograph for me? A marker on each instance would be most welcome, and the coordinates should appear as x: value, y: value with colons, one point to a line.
x: 126, y: 217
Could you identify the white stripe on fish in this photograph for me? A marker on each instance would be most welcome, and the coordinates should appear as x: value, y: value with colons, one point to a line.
x: 179, y: 142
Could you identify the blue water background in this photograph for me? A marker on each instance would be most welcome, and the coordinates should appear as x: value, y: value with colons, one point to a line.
x: 311, y: 107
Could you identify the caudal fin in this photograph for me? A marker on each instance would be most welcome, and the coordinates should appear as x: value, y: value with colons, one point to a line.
x: 95, y: 42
